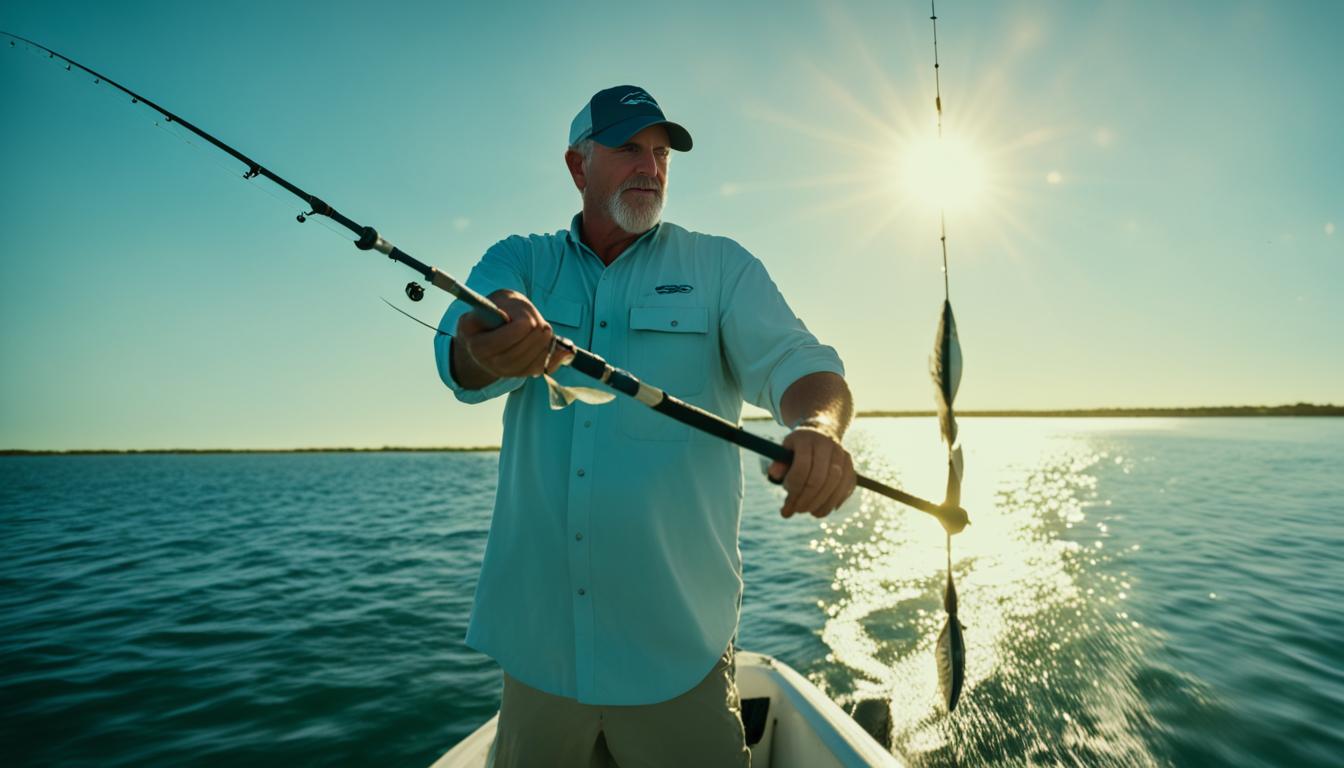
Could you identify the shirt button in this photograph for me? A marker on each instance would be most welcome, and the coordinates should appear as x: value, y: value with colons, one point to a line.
x: 578, y: 537
x: 582, y: 592
x: 674, y: 323
x: 587, y: 423
x: 579, y: 473
x: 602, y: 324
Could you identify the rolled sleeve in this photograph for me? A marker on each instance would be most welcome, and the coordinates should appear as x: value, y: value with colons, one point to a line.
x: 813, y: 358
x: 766, y: 345
x: 501, y: 267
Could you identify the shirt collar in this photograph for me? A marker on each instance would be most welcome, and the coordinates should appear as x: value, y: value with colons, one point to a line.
x: 576, y: 234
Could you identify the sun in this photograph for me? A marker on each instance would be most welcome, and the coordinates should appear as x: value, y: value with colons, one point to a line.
x: 941, y: 174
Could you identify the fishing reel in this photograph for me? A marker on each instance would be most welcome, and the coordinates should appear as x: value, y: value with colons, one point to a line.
x: 415, y: 291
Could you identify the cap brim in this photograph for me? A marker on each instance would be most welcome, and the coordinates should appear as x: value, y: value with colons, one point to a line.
x: 614, y: 136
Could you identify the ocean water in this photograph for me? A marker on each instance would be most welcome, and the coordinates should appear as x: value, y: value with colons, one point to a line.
x: 1135, y: 592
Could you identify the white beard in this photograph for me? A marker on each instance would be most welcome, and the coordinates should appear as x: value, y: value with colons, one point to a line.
x: 638, y: 217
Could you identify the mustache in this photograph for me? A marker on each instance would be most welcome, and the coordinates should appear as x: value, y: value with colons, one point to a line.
x: 641, y: 182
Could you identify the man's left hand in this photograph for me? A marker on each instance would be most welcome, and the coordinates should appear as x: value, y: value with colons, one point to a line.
x: 821, y: 476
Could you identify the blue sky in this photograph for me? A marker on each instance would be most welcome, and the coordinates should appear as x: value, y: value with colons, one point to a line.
x: 1159, y: 226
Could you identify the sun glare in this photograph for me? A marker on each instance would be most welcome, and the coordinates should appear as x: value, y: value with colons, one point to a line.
x: 887, y: 173
x: 941, y: 174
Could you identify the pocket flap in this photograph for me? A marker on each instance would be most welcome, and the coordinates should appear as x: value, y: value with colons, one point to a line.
x: 561, y: 311
x: 670, y: 319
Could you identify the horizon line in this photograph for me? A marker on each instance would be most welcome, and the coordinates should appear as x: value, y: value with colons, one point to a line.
x: 1239, y: 411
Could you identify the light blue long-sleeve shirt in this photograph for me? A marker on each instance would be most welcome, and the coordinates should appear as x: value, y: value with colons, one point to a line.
x: 612, y: 573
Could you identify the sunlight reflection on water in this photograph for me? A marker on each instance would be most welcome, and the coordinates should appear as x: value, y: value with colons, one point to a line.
x: 1050, y: 648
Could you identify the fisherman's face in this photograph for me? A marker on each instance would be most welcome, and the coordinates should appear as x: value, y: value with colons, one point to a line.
x: 628, y: 184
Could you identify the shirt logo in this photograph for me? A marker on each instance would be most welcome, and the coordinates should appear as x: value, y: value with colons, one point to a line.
x: 674, y: 289
x: 637, y: 97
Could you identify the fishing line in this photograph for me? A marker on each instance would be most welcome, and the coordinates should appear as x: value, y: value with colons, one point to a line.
x: 938, y: 106
x: 435, y: 329
x: 945, y: 367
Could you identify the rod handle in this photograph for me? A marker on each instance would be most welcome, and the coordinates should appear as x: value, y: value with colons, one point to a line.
x: 482, y: 307
x: 953, y: 518
x: 490, y: 314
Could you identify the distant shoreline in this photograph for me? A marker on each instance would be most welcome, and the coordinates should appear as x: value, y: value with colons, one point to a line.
x: 1300, y: 409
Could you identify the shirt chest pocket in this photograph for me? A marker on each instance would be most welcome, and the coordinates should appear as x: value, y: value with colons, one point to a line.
x: 669, y: 348
x: 561, y: 311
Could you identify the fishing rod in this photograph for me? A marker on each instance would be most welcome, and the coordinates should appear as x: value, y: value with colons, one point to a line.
x: 952, y: 517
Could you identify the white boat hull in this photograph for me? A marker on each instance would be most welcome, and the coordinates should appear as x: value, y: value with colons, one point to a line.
x: 803, y: 728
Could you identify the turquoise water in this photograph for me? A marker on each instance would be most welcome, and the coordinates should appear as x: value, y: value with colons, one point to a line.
x: 1135, y: 592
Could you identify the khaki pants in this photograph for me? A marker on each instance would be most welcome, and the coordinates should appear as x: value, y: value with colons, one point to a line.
x: 702, y: 728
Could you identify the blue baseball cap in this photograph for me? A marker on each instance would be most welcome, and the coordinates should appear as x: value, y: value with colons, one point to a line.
x: 612, y: 116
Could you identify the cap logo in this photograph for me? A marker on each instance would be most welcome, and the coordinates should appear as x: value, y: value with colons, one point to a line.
x: 638, y: 97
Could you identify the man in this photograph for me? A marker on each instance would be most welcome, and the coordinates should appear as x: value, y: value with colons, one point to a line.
x: 611, y: 584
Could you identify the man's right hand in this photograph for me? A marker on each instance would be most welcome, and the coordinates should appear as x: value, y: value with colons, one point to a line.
x: 518, y: 348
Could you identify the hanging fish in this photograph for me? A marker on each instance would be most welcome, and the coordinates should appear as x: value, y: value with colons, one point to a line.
x: 951, y: 652
x: 945, y: 367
